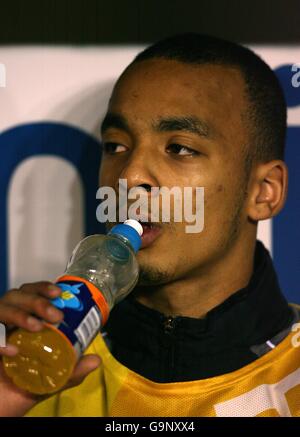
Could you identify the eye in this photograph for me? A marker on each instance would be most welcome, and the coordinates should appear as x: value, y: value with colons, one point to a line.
x: 178, y: 149
x: 113, y: 148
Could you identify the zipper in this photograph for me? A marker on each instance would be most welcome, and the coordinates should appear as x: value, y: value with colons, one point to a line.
x: 169, y: 324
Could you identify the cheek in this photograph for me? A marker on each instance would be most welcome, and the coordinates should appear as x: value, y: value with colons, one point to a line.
x: 102, y: 173
x: 218, y: 205
x: 108, y: 174
x: 222, y: 205
x: 217, y: 197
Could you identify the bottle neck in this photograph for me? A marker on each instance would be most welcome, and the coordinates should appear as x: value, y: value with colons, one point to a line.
x: 123, y: 239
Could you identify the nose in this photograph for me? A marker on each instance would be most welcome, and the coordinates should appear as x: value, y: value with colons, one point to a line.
x: 147, y: 187
x: 139, y: 171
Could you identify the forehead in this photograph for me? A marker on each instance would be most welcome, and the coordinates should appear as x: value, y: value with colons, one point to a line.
x: 153, y: 89
x: 161, y: 85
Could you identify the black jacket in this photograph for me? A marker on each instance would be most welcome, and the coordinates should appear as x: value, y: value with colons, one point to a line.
x: 233, y: 334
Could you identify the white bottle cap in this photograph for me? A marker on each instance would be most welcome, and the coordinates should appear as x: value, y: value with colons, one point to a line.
x: 135, y: 225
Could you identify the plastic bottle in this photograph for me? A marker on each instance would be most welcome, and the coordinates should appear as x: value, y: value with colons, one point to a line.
x: 101, y: 272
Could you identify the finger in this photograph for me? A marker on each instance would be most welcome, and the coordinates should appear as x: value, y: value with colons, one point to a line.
x: 11, y: 315
x: 10, y: 350
x: 34, y: 304
x: 44, y: 288
x: 84, y: 367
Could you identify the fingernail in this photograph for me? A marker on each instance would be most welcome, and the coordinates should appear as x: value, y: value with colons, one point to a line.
x: 52, y: 312
x: 34, y: 323
x: 10, y: 349
x: 54, y: 291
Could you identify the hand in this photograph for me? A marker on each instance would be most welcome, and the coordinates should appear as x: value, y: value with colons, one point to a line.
x: 23, y: 308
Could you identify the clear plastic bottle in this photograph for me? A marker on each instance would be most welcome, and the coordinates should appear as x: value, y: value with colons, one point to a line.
x: 101, y: 272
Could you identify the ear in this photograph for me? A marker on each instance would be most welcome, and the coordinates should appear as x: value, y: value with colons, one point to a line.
x: 268, y: 190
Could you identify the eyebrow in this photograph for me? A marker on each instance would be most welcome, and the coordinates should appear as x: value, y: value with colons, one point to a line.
x: 190, y: 124
x: 116, y: 121
x: 187, y: 124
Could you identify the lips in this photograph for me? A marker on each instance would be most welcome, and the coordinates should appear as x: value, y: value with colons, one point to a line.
x: 151, y: 231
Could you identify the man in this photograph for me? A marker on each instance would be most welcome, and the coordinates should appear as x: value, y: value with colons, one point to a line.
x: 206, y: 331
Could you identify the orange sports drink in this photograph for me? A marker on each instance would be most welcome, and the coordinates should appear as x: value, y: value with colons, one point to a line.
x: 102, y: 271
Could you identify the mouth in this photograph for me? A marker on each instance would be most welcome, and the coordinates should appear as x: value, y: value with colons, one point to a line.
x: 151, y: 232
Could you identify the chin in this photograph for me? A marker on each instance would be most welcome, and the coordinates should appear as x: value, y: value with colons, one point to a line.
x: 151, y: 276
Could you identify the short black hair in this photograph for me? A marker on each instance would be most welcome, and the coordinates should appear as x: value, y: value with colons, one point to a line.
x: 267, y: 107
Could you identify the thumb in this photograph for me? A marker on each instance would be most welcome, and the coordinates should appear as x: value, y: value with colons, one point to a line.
x: 83, y: 368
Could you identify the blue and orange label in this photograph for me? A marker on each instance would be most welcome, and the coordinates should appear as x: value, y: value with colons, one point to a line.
x: 85, y: 311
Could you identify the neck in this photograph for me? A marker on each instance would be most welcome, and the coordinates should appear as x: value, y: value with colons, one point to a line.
x: 203, y: 289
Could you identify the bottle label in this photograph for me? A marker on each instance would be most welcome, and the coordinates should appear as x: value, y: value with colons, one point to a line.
x: 85, y: 311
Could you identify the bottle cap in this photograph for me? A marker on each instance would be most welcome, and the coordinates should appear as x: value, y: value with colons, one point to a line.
x: 136, y: 225
x: 131, y: 230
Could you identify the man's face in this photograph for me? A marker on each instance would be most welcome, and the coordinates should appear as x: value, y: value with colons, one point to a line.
x: 149, y: 148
